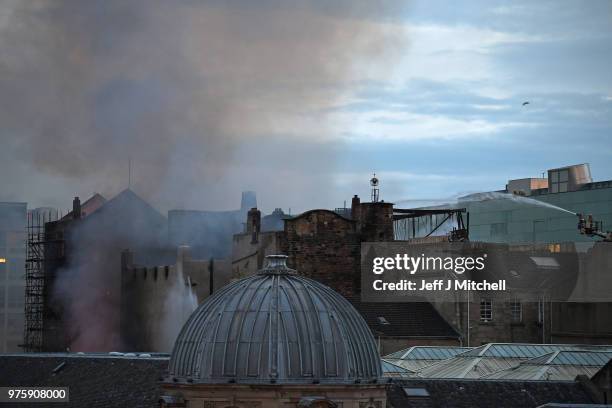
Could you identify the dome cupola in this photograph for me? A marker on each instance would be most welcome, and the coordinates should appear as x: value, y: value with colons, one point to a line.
x: 275, y: 327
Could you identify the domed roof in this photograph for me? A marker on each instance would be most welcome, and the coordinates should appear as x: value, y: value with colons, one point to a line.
x: 275, y: 327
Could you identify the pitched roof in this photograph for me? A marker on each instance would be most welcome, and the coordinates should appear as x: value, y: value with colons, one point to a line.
x: 88, y: 206
x: 483, y: 393
x: 417, y: 357
x: 558, y: 365
x: 410, y: 319
x: 93, y: 380
x: 393, y: 370
x: 494, y: 357
x: 427, y: 352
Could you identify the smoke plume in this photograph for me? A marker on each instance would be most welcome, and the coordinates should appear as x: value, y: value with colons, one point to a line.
x: 195, y: 93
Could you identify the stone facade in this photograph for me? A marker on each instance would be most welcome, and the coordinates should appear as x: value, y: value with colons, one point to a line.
x: 321, y: 244
x: 275, y: 396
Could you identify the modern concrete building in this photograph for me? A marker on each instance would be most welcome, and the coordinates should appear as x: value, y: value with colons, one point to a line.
x: 13, y: 217
x: 495, y: 218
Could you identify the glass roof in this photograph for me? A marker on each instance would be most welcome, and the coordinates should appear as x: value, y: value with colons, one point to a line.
x: 428, y: 353
x: 492, y: 358
x: 393, y: 370
x: 578, y: 357
x: 526, y: 350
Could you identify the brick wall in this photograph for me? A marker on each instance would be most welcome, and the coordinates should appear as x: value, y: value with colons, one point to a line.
x: 324, y: 246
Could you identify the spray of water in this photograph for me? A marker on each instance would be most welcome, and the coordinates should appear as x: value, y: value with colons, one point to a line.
x: 180, y: 303
x: 479, y: 197
x: 192, y: 300
x: 495, y: 195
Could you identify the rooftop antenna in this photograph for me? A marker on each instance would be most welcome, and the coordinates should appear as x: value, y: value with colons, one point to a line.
x: 375, y: 191
x: 129, y: 172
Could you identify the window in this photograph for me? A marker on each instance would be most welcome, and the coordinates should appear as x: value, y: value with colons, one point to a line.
x: 486, y: 310
x: 559, y: 181
x: 516, y: 311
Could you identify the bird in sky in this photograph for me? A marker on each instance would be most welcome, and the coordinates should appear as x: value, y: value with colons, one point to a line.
x: 525, y: 103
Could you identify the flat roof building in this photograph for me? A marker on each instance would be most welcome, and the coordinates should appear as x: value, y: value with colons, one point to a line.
x: 495, y: 218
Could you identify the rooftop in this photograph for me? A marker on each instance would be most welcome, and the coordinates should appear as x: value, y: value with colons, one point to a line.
x: 410, y: 319
x: 94, y: 380
x: 490, y: 360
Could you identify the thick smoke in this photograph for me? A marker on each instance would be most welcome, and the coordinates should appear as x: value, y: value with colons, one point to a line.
x: 193, y: 92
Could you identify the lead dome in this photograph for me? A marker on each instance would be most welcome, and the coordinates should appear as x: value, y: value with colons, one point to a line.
x: 275, y: 327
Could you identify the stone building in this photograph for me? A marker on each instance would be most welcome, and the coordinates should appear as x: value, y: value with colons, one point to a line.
x: 275, y: 339
x: 321, y: 244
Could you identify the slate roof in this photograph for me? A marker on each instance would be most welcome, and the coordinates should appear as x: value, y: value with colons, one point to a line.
x: 410, y: 319
x: 485, y: 394
x: 93, y: 380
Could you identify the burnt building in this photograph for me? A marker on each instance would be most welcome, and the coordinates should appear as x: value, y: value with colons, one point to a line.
x: 82, y: 269
x: 108, y: 274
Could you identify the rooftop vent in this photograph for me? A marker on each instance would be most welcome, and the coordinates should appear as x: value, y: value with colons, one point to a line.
x: 382, y: 320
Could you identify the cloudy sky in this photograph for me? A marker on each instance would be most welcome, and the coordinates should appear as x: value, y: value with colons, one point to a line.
x: 300, y: 103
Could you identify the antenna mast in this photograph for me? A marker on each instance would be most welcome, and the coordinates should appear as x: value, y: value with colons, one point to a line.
x: 375, y: 191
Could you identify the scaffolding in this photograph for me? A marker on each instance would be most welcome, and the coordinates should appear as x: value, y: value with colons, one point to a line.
x: 35, y: 279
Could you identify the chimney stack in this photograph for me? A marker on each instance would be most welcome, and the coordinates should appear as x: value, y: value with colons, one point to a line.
x: 76, y: 208
x: 355, y: 203
x: 254, y: 224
